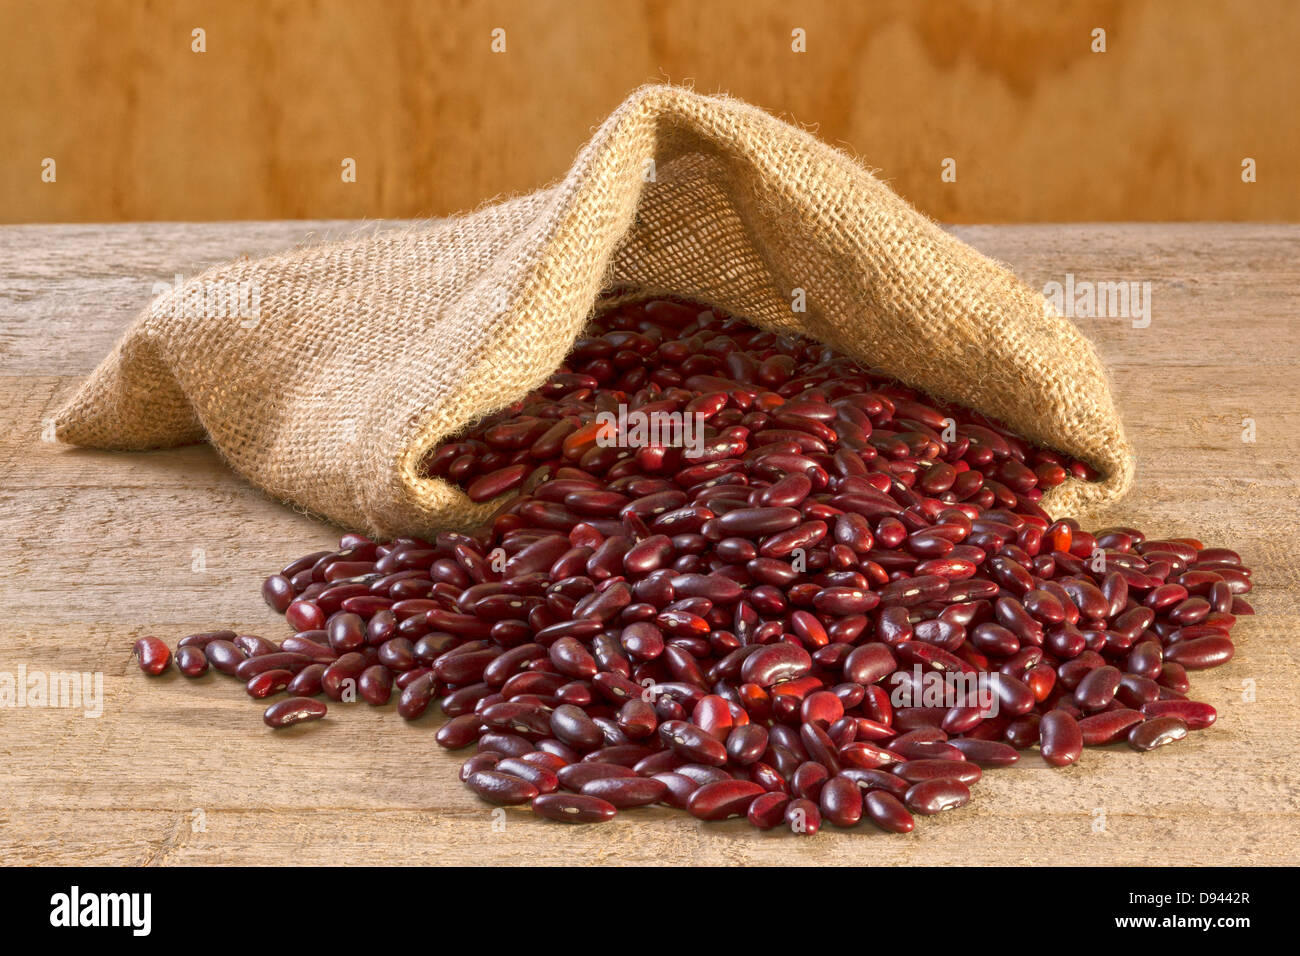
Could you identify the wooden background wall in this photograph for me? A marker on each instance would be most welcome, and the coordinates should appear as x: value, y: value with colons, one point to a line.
x: 1042, y: 128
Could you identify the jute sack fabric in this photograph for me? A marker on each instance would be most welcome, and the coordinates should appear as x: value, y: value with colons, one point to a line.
x: 364, y: 354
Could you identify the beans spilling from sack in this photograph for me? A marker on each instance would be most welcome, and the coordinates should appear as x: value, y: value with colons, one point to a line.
x: 741, y: 575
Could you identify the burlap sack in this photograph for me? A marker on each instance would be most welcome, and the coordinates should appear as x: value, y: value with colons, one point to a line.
x: 363, y: 354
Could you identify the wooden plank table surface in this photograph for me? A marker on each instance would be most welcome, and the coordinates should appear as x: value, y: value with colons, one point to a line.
x: 98, y: 548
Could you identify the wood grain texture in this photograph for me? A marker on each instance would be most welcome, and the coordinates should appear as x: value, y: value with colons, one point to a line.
x: 1041, y: 127
x: 98, y: 548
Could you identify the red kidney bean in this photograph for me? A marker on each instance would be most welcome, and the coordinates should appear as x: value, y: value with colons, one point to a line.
x: 768, y: 810
x: 1135, y: 691
x: 1146, y: 659
x: 1014, y: 695
x: 1108, y: 726
x: 1023, y: 732
x: 402, y: 680
x: 476, y: 763
x: 840, y: 802
x: 1156, y: 732
x: 341, y: 676
x: 803, y: 816
x: 759, y: 521
x: 205, y: 638
x: 501, y: 789
x: 571, y: 725
x: 318, y: 653
x: 1195, y: 715
x: 497, y: 483
x: 505, y: 665
x: 307, y: 682
x: 191, y: 661
x: 576, y: 775
x: 746, y: 744
x: 679, y: 789
x: 543, y: 778
x: 821, y: 708
x: 994, y: 639
x: 346, y: 632
x: 153, y: 655
x: 573, y: 808
x: 1098, y: 687
x: 808, y: 779
x: 304, y: 616
x: 909, y: 592
x: 1174, y: 676
x: 722, y: 799
x: 1060, y: 737
x: 572, y: 659
x: 294, y: 710
x: 935, y: 796
x: 254, y: 646
x: 887, y: 811
x: 524, y: 719
x: 1200, y: 653
x: 459, y: 731
x: 775, y: 662
x: 224, y: 656
x: 637, y: 719
x: 625, y: 792
x: 397, y: 654
x: 986, y: 753
x: 416, y: 696
x: 693, y: 743
x: 506, y: 744
x: 280, y: 660
x: 277, y: 591
x: 914, y: 771
x: 464, y: 666
x: 268, y: 683
x: 866, y: 755
x: 819, y: 746
x: 375, y: 685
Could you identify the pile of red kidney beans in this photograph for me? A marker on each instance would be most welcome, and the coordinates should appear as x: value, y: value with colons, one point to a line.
x: 731, y: 632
